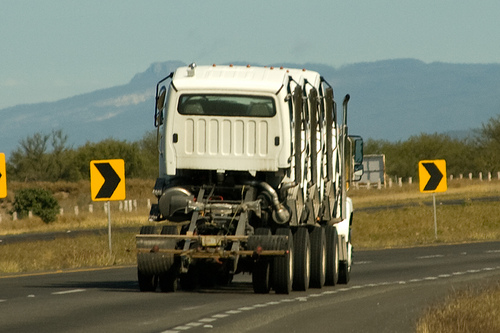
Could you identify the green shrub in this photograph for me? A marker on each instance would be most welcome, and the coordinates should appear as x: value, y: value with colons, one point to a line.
x: 39, y: 201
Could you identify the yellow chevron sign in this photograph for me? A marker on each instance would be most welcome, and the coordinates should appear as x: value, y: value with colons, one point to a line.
x: 3, y: 177
x: 107, y: 180
x: 432, y: 175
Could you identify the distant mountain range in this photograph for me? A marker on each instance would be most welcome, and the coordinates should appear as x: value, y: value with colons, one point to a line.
x: 391, y: 100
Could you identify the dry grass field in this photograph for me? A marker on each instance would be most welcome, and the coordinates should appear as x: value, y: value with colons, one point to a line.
x: 475, y: 216
x: 472, y: 310
x: 391, y: 217
x: 468, y: 211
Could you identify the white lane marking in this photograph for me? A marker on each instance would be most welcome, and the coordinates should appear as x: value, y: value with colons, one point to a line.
x: 493, y: 251
x: 329, y: 292
x: 182, y: 328
x: 207, y: 320
x: 72, y: 291
x: 233, y: 312
x: 306, y: 298
x: 287, y: 300
x: 431, y: 256
x: 261, y: 305
x: 316, y: 295
x: 362, y: 262
x: 246, y: 308
x: 220, y: 315
x: 3, y: 300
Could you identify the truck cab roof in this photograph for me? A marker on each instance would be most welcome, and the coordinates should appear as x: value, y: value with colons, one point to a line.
x: 234, y: 78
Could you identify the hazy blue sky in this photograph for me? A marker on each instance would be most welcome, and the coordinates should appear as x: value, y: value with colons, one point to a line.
x: 54, y: 49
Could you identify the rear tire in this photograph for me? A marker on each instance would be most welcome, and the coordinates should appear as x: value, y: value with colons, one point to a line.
x: 168, y: 280
x: 261, y: 274
x: 318, y: 257
x: 301, y: 260
x: 191, y: 279
x: 282, y: 271
x: 147, y: 282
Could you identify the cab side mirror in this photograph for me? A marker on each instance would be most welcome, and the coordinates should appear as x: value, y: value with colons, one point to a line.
x: 160, y: 105
x: 357, y: 156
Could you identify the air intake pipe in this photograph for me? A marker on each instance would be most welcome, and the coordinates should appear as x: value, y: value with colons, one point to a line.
x: 281, y: 213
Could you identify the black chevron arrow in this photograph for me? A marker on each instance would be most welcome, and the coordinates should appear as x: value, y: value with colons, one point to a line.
x: 435, y: 174
x: 111, y: 180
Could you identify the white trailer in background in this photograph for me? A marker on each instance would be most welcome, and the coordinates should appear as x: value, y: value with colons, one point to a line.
x: 253, y: 173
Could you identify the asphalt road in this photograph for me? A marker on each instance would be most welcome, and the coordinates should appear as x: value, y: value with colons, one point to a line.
x: 388, y: 291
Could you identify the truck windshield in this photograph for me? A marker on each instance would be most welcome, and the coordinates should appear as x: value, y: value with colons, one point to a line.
x: 227, y: 105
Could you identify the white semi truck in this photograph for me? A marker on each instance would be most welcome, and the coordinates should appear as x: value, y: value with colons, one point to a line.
x: 253, y: 173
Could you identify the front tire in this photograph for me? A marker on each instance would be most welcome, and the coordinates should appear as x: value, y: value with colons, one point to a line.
x: 345, y: 269
x: 332, y: 256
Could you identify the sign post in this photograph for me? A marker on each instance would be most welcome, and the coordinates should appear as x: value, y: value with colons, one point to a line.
x: 3, y: 177
x: 432, y: 175
x: 107, y: 183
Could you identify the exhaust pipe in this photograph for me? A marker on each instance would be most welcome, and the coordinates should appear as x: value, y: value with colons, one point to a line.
x: 281, y: 213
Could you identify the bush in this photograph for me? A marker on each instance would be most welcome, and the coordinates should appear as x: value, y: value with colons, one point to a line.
x: 39, y: 201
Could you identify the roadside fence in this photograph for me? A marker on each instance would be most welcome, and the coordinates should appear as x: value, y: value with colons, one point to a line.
x: 125, y: 206
x: 398, y: 181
